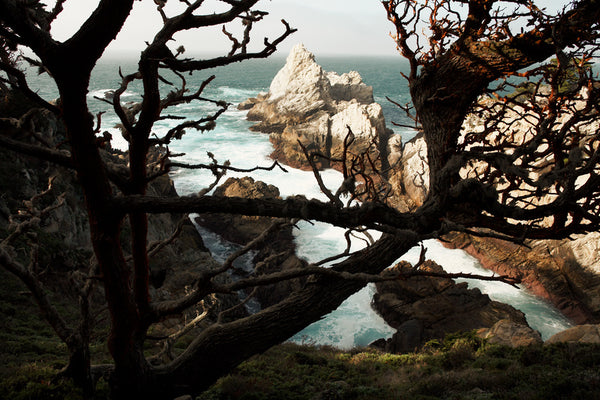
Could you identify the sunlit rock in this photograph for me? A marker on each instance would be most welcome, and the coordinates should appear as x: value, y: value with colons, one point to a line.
x: 318, y: 109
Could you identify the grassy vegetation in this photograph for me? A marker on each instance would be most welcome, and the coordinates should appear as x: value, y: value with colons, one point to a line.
x: 31, y: 355
x: 460, y: 367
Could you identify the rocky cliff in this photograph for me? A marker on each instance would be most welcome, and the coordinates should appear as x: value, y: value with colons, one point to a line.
x: 307, y: 104
x: 426, y: 308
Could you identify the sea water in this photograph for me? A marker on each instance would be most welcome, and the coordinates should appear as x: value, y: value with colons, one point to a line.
x: 354, y: 323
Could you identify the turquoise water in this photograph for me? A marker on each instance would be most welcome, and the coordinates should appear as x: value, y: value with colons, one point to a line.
x: 354, y: 323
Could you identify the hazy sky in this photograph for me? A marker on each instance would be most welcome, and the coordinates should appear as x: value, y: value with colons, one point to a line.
x: 326, y: 27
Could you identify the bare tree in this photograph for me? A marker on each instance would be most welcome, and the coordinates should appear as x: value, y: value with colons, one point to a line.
x: 469, y: 45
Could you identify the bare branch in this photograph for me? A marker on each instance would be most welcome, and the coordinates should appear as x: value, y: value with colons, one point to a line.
x: 39, y: 293
x: 58, y: 8
x: 18, y: 81
x: 226, y: 167
x: 356, y: 277
x: 197, y: 65
x: 371, y: 215
x: 33, y: 216
x: 204, y: 284
x: 309, y: 157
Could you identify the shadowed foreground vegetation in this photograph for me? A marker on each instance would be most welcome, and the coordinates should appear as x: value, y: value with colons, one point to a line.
x: 460, y: 367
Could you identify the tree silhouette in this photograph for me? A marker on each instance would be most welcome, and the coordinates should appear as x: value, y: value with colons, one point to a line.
x: 490, y: 181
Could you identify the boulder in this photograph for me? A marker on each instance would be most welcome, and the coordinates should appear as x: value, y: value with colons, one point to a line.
x: 235, y: 228
x: 407, y: 338
x: 247, y: 188
x: 510, y: 333
x: 426, y: 308
x: 577, y: 334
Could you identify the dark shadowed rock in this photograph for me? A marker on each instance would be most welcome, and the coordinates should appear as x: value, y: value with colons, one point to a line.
x: 408, y: 337
x: 64, y: 235
x: 278, y: 251
x: 425, y: 308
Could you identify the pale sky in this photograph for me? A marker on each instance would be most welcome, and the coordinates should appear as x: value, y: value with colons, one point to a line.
x: 326, y: 27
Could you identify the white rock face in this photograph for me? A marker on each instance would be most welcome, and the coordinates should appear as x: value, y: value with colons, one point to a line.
x: 301, y: 89
x: 302, y: 78
x: 586, y: 249
x: 316, y: 107
x: 349, y: 86
x: 301, y: 85
x: 395, y: 150
x: 364, y: 120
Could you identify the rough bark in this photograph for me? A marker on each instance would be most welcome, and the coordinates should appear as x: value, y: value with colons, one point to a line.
x: 221, y: 347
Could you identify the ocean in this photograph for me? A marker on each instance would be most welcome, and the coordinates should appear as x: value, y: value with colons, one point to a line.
x: 354, y: 323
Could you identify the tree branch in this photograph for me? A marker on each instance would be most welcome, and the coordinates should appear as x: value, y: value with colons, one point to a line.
x: 371, y: 215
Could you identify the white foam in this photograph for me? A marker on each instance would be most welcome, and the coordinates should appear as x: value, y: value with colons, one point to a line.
x: 236, y: 94
x: 352, y: 324
x: 102, y: 93
x: 540, y: 314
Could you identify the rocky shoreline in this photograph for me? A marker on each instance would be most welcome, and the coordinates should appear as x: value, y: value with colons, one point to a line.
x: 564, y: 272
x: 303, y: 106
x: 550, y: 269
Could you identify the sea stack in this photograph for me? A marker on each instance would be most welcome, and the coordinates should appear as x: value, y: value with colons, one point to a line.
x: 307, y: 104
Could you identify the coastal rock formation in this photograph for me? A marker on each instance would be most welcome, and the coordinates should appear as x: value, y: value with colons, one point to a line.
x: 425, y: 308
x: 25, y: 177
x: 566, y: 272
x: 307, y: 104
